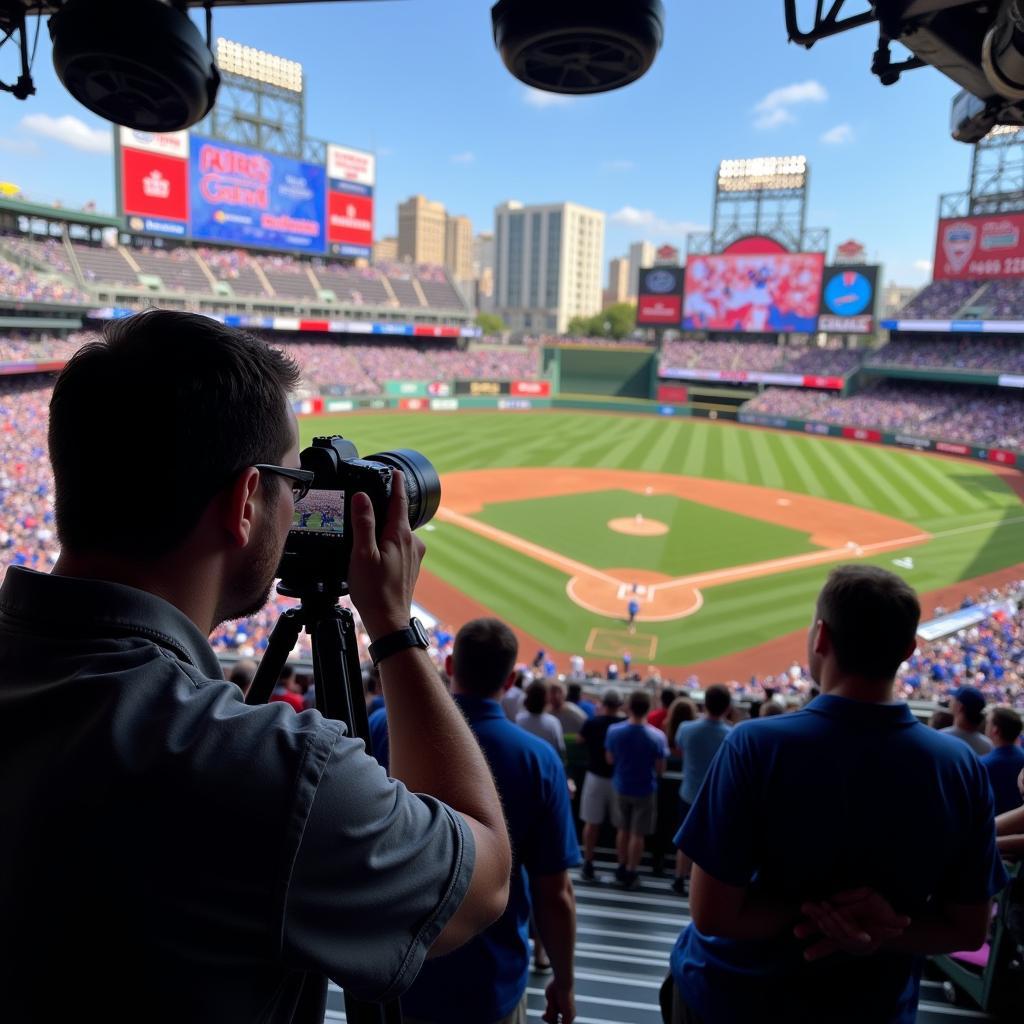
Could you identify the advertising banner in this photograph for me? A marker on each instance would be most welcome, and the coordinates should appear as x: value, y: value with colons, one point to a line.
x: 439, y: 388
x: 909, y: 441
x: 672, y: 393
x: 351, y: 170
x: 660, y: 296
x: 414, y: 404
x: 241, y: 196
x: 952, y: 449
x: 339, y: 405
x: 796, y: 380
x: 482, y: 388
x: 755, y: 293
x: 417, y: 388
x: 1001, y: 456
x: 167, y: 143
x: 862, y: 434
x: 350, y: 224
x: 848, y: 300
x: 154, y: 188
x: 436, y: 331
x: 444, y: 404
x: 517, y: 404
x: 531, y: 388
x: 980, y: 247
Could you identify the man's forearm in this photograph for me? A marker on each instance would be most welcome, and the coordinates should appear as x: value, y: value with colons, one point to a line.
x: 930, y: 936
x: 556, y: 921
x: 433, y: 750
x: 761, y: 918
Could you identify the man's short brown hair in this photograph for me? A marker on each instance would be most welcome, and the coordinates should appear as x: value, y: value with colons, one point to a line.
x: 483, y: 656
x: 1006, y: 722
x: 872, y: 618
x: 639, y: 704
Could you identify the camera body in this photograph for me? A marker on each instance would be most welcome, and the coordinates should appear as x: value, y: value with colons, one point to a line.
x: 318, y: 549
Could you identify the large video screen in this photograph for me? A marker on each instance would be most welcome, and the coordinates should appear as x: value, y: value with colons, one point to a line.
x: 848, y: 299
x: 753, y: 293
x: 244, y: 197
x: 186, y: 186
x: 975, y: 248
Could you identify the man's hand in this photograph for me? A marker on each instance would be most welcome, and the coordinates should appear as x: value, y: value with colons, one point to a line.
x: 561, y: 1004
x: 383, y: 574
x: 855, y: 921
x: 1020, y: 783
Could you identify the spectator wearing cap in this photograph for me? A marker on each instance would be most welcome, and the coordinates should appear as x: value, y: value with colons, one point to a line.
x: 1005, y: 762
x: 968, y: 706
x: 597, y: 795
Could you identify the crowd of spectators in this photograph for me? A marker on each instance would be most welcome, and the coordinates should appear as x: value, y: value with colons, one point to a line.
x: 940, y: 300
x: 23, y: 284
x: 757, y: 356
x: 970, y: 415
x: 969, y: 352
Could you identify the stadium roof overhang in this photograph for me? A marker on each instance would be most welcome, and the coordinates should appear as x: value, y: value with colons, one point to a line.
x: 23, y: 208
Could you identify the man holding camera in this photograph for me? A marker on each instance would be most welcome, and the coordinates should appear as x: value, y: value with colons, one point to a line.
x: 168, y: 851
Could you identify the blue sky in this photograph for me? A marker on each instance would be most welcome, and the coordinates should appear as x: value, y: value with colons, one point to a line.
x: 419, y: 81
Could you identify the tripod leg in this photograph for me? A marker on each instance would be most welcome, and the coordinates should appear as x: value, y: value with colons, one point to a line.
x: 282, y: 640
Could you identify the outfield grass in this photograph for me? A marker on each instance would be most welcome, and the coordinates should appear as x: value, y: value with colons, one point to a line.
x: 700, y: 537
x: 977, y: 520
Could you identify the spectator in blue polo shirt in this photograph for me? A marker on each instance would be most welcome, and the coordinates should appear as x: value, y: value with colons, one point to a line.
x: 1006, y: 760
x: 485, y: 981
x: 637, y: 752
x: 848, y: 824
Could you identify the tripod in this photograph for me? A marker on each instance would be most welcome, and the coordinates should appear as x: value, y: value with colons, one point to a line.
x: 339, y: 696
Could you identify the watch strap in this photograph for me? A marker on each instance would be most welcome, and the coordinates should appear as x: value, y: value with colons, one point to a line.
x: 413, y: 635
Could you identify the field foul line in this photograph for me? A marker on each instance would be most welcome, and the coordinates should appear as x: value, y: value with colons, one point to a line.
x: 510, y: 540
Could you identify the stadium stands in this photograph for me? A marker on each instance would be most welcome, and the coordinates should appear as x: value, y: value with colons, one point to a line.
x: 78, y: 268
x: 726, y: 356
x: 972, y: 415
x: 940, y: 300
x: 972, y: 353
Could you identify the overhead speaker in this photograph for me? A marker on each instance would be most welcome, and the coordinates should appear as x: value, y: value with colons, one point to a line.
x: 142, y: 64
x: 578, y: 46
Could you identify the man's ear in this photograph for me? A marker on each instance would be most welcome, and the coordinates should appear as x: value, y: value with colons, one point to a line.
x: 239, y: 506
x: 822, y: 642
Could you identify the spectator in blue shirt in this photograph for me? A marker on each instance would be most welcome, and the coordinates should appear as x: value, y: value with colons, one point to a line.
x: 637, y: 752
x: 485, y: 980
x: 847, y: 823
x: 698, y: 742
x: 1006, y: 761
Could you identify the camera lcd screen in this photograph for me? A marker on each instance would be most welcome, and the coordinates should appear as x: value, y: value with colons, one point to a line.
x: 321, y: 512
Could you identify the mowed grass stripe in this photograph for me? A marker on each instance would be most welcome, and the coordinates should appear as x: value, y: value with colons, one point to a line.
x: 658, y: 456
x: 892, y: 474
x: 695, y: 461
x: 735, y: 457
x: 860, y: 467
x: 764, y: 455
x: 627, y: 445
x: 836, y: 486
x: 809, y: 482
x: 958, y: 497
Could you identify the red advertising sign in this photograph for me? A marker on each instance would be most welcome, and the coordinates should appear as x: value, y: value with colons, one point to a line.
x: 413, y: 404
x: 660, y: 309
x: 860, y: 434
x: 154, y: 185
x: 349, y: 219
x: 831, y: 383
x: 952, y: 449
x: 531, y: 388
x: 980, y: 247
x: 435, y: 331
x: 676, y: 393
x: 1004, y: 457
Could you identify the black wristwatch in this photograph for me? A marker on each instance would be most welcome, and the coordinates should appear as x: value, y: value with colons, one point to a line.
x: 401, y: 640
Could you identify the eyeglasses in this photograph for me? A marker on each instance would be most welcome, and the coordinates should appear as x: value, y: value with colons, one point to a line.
x: 302, y: 479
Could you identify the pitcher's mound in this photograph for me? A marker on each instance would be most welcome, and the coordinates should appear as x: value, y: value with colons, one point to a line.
x: 638, y: 526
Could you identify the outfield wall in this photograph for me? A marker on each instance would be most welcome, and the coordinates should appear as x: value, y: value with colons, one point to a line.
x: 523, y: 396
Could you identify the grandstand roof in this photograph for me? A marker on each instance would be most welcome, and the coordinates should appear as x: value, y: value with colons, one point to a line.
x: 25, y: 208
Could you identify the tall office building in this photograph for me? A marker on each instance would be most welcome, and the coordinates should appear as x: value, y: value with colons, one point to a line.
x: 483, y: 270
x: 422, y: 225
x: 548, y: 261
x: 385, y: 250
x: 618, y: 282
x: 458, y: 248
x: 641, y: 254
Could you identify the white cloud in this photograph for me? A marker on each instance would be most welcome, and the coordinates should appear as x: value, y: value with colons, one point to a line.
x: 773, y: 118
x: 838, y: 136
x: 541, y: 100
x: 630, y: 216
x: 463, y: 158
x: 925, y: 265
x: 619, y: 165
x: 71, y: 131
x: 773, y: 109
x: 19, y: 146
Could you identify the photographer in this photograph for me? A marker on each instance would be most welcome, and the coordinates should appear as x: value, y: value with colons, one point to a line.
x: 169, y: 851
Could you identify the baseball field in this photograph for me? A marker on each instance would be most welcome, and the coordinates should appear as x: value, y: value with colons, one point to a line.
x: 721, y: 533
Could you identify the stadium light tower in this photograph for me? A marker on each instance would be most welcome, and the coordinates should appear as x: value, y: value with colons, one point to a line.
x: 765, y: 195
x: 996, y: 182
x: 261, y: 103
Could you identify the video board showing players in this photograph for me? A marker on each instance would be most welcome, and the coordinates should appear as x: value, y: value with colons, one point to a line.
x: 753, y: 293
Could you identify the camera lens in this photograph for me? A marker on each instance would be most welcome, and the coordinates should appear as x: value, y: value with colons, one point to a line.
x: 422, y: 484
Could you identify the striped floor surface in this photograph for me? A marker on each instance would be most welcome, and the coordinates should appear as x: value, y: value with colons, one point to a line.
x: 623, y: 941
